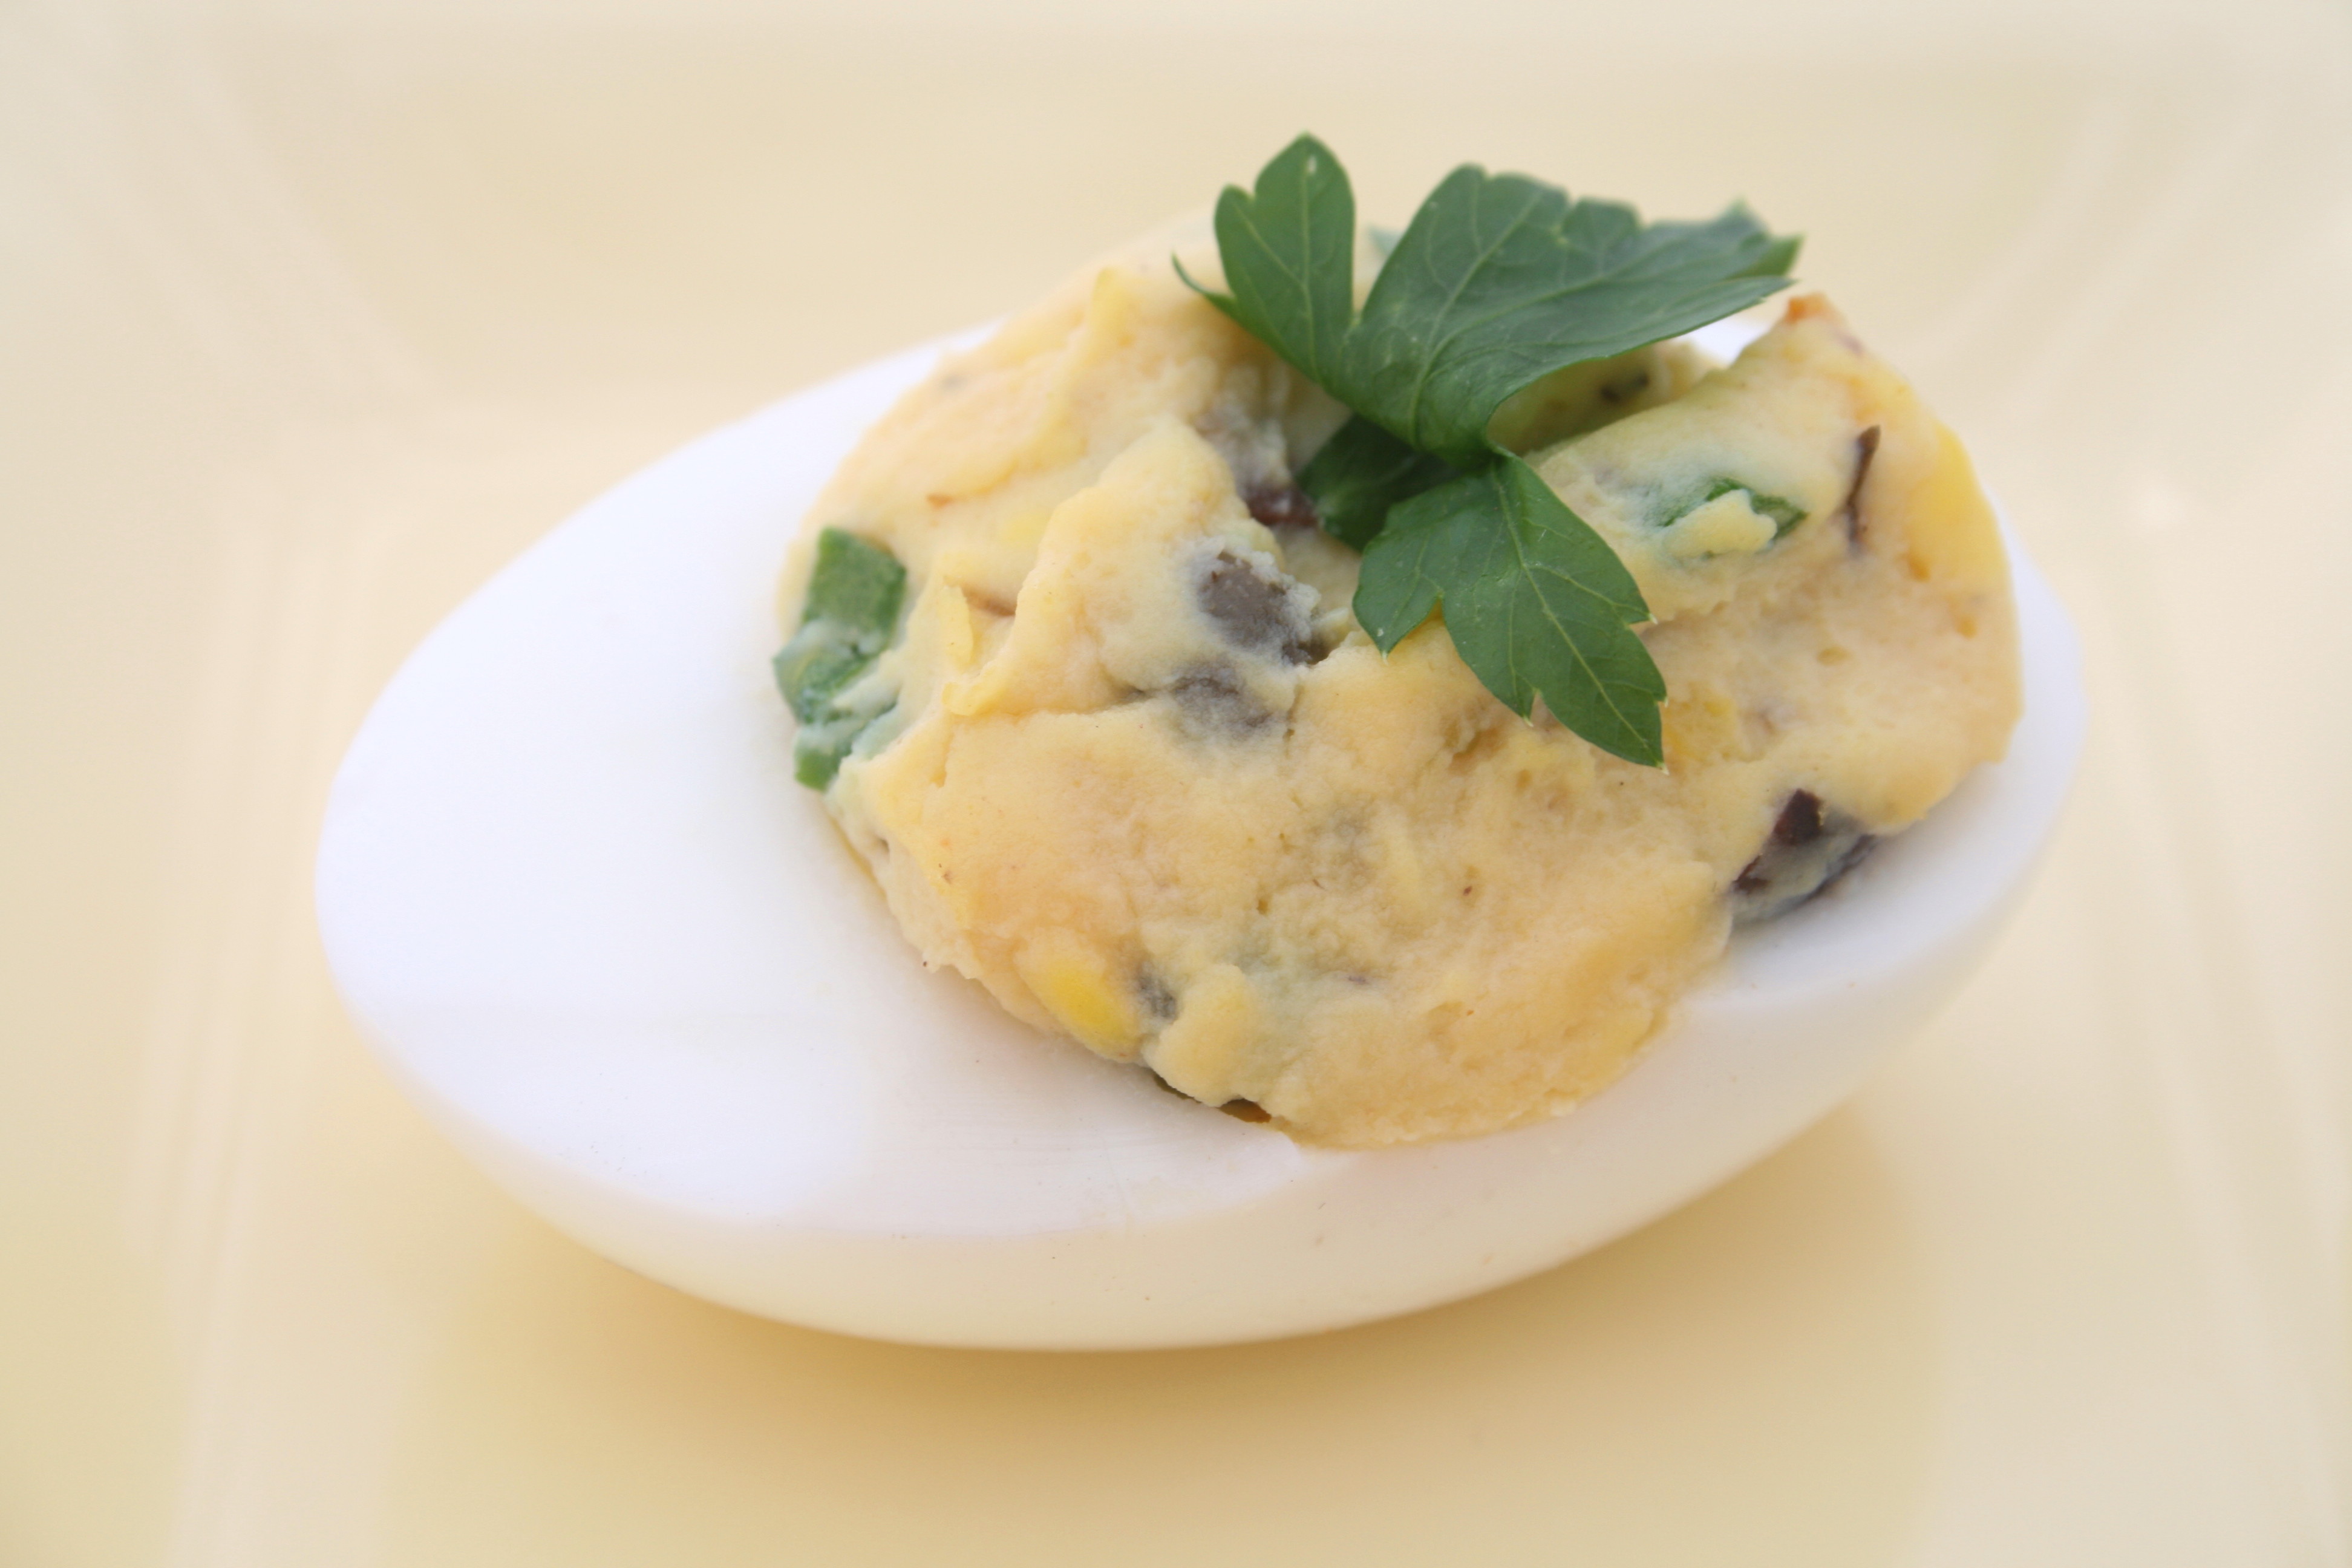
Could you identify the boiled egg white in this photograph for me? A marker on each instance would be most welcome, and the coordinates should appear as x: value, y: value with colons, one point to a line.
x: 571, y: 895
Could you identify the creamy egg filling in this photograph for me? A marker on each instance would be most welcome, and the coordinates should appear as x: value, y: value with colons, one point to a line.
x: 1127, y: 762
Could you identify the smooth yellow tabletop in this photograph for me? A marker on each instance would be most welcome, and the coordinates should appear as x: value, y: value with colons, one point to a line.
x: 312, y: 315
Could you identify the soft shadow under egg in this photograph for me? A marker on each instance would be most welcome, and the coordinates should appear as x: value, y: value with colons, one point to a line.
x: 1758, y: 1368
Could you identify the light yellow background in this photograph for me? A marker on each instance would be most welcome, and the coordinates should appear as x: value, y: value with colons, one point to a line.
x: 311, y: 316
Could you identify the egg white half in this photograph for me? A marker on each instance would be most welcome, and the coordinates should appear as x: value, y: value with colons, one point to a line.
x: 571, y: 895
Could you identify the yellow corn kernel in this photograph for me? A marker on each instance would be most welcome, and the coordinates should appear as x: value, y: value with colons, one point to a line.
x: 1073, y: 981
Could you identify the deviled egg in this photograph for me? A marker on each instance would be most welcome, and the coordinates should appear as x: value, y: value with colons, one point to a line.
x: 1114, y: 743
x: 574, y: 898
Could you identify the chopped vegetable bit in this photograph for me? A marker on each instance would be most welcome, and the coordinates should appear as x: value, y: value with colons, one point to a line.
x: 853, y: 595
x: 1785, y: 514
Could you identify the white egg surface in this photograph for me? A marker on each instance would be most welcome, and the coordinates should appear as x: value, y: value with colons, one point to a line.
x: 572, y: 894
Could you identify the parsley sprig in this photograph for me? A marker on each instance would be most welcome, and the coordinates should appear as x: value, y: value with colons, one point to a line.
x: 1498, y: 281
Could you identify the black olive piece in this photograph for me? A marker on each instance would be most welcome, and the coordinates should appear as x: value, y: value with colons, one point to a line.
x: 1866, y: 447
x: 1810, y: 846
x: 1213, y: 698
x: 1281, y: 506
x: 1254, y: 611
x: 1800, y: 821
x: 1153, y: 992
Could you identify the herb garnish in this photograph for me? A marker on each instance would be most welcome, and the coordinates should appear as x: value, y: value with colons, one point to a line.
x: 854, y: 590
x: 1785, y: 513
x: 1498, y: 281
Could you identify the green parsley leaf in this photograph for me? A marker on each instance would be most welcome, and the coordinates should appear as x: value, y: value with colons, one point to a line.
x: 854, y: 590
x: 1536, y: 603
x: 1289, y: 253
x: 1498, y: 281
x: 1361, y: 471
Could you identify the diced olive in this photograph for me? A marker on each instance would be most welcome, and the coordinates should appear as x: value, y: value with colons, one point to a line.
x: 1281, y: 506
x: 1866, y: 447
x: 1158, y: 1001
x: 1257, y: 612
x: 1810, y: 846
x: 1213, y: 698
